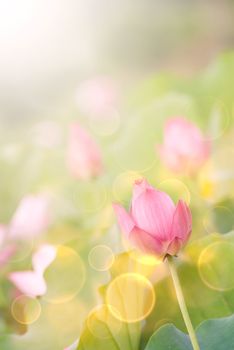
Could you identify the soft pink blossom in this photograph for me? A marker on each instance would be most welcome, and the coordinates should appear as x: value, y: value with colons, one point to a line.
x: 28, y: 282
x: 6, y: 250
x: 184, y: 148
x: 154, y: 224
x: 43, y: 257
x: 31, y: 218
x: 6, y: 254
x: 84, y: 155
x: 3, y: 233
x: 32, y: 282
x: 73, y: 346
x: 97, y: 96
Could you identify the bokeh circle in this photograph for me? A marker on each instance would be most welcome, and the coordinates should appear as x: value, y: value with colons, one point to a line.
x: 216, y: 265
x: 65, y: 276
x: 131, y: 296
x: 101, y: 257
x: 26, y: 309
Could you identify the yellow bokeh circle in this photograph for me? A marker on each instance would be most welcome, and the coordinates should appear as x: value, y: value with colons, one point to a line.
x: 66, y: 320
x: 216, y: 266
x: 101, y: 257
x: 65, y: 277
x: 145, y: 259
x: 102, y: 322
x: 123, y: 184
x: 89, y: 196
x: 26, y: 309
x: 131, y: 296
x: 219, y: 219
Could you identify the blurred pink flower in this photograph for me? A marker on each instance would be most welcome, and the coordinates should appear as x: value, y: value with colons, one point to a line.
x: 6, y: 250
x: 184, y: 148
x: 84, y: 155
x: 73, y: 346
x: 31, y: 217
x: 32, y: 282
x: 155, y: 225
x: 97, y: 96
x: 28, y: 282
x: 3, y: 233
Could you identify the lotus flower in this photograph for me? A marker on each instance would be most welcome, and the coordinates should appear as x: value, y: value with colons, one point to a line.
x: 31, y: 217
x: 97, y: 96
x: 184, y: 149
x: 32, y: 282
x: 155, y: 225
x: 84, y: 156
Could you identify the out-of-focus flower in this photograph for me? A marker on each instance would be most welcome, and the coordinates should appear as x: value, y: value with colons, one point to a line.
x: 73, y: 346
x: 184, y: 148
x: 32, y: 282
x: 3, y: 232
x: 155, y: 225
x: 31, y: 218
x: 84, y: 156
x: 6, y: 251
x: 97, y: 96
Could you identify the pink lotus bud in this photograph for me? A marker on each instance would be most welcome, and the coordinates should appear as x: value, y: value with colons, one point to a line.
x: 32, y: 282
x: 155, y: 225
x: 84, y: 156
x: 184, y: 147
x: 31, y: 218
x: 96, y: 96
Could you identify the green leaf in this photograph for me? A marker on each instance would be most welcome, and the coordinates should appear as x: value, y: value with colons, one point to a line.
x: 217, y: 334
x: 212, y: 335
x: 103, y: 335
x: 169, y: 337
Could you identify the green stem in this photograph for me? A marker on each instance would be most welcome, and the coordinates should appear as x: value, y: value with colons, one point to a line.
x: 182, y: 304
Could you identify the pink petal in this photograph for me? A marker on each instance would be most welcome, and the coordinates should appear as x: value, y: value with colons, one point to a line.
x: 43, y: 258
x: 6, y: 253
x: 152, y: 210
x: 28, y: 282
x: 31, y: 218
x: 184, y: 146
x: 174, y: 247
x: 124, y: 219
x: 147, y: 243
x: 96, y: 96
x: 84, y: 157
x: 182, y: 135
x: 140, y: 187
x: 182, y: 222
x: 3, y: 233
x: 171, y: 159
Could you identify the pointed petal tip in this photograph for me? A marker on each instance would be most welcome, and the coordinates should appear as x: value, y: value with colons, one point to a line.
x: 140, y: 186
